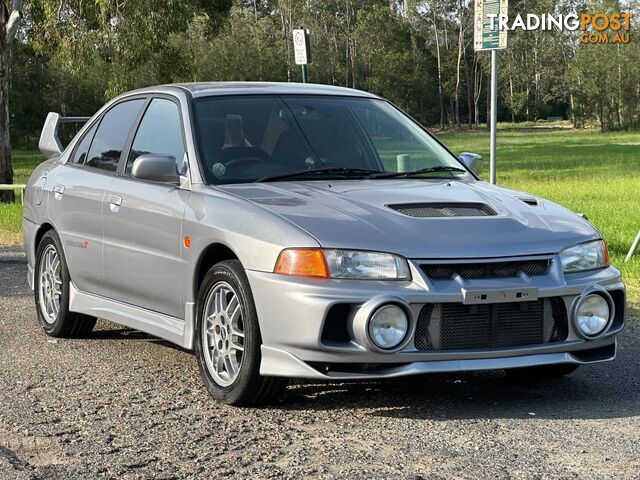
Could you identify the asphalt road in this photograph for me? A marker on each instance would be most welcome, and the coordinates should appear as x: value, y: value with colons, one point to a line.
x: 121, y: 404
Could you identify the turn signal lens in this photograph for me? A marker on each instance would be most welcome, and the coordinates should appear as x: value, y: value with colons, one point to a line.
x: 302, y: 262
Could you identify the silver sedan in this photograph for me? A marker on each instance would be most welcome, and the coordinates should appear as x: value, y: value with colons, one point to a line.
x: 287, y: 230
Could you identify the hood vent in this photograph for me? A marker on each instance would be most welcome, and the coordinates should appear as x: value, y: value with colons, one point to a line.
x: 440, y: 210
x: 530, y: 201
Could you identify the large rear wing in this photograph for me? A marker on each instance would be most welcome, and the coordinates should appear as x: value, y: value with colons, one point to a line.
x: 50, y: 144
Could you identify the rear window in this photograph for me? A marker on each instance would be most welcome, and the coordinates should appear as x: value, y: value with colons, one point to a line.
x: 112, y: 134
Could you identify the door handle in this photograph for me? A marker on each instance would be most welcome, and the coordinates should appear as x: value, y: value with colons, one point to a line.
x: 115, y: 200
x: 58, y: 190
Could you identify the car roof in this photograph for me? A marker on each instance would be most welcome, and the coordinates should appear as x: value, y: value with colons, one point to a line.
x: 205, y: 89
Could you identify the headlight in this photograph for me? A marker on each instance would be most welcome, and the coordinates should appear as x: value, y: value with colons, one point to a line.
x: 585, y: 256
x: 388, y: 326
x: 592, y: 315
x: 343, y: 264
x: 354, y: 264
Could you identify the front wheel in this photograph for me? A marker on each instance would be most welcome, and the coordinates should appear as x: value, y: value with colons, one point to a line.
x: 228, y: 339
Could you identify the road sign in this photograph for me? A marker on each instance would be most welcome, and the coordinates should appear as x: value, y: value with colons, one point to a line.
x: 301, y: 50
x: 486, y: 37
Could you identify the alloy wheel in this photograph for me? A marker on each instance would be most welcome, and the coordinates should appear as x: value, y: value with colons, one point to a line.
x: 50, y: 284
x: 223, y: 334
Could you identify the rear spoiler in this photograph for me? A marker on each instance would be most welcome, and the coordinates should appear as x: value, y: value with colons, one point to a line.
x: 50, y: 144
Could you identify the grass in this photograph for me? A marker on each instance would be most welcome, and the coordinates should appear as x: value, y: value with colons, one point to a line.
x: 11, y: 214
x: 587, y: 171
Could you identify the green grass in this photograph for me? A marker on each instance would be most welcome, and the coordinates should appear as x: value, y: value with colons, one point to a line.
x: 587, y: 171
x: 24, y: 162
x: 11, y: 214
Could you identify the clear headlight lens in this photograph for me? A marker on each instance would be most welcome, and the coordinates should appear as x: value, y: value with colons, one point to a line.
x: 585, y: 256
x: 353, y: 264
x: 388, y: 326
x: 592, y: 315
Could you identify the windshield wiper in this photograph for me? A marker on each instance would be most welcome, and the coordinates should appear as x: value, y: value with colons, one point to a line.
x: 414, y: 173
x: 341, y: 171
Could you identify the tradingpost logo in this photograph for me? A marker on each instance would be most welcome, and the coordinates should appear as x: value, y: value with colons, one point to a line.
x: 598, y: 28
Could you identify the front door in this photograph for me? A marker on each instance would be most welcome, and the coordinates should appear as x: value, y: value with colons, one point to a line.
x: 143, y: 221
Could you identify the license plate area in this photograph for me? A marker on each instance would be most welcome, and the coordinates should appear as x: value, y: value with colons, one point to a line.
x: 472, y: 296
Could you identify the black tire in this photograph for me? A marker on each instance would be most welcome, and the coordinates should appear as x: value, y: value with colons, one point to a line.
x: 66, y: 324
x: 249, y: 387
x: 544, y: 371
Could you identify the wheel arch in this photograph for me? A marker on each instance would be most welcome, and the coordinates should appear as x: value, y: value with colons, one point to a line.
x: 212, y: 254
x: 44, y: 228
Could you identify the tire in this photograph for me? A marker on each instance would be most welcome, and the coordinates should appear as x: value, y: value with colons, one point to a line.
x: 544, y: 371
x: 54, y: 316
x: 228, y: 340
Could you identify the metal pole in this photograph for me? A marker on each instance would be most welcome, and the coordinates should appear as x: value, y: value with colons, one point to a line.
x: 304, y: 74
x: 633, y: 248
x: 494, y: 116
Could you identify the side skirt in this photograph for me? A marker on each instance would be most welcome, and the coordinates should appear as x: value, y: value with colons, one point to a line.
x: 173, y: 329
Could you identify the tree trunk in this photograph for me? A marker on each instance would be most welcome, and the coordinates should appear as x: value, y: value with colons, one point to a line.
x: 440, y: 94
x: 458, y: 63
x: 513, y: 115
x: 477, y: 87
x: 6, y: 169
x: 467, y: 73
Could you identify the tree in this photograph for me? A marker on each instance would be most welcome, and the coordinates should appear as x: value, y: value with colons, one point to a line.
x: 9, y: 23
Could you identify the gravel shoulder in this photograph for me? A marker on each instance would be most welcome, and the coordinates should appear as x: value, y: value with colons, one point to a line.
x: 123, y: 404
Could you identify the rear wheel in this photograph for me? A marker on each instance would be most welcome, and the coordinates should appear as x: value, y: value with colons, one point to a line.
x: 228, y: 339
x: 544, y: 371
x: 52, y: 292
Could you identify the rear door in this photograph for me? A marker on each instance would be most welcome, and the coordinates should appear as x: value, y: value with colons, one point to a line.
x: 78, y: 193
x: 143, y: 220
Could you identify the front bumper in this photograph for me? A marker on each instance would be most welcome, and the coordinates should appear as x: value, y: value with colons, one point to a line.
x: 292, y: 312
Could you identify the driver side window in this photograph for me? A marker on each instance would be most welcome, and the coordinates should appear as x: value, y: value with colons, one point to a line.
x: 160, y: 132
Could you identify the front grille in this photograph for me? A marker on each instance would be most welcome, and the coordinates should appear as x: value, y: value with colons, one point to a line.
x: 454, y: 326
x: 445, y: 271
x: 436, y: 210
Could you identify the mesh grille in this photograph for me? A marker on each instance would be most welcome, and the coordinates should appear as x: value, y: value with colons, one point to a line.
x: 435, y: 210
x: 454, y: 326
x: 533, y: 268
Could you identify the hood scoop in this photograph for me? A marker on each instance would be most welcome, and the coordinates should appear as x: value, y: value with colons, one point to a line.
x: 444, y: 210
x: 532, y: 202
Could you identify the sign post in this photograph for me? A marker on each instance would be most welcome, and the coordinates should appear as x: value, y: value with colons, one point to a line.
x: 487, y: 36
x: 302, y: 50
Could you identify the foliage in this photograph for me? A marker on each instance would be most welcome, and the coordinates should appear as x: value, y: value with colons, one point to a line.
x: 73, y: 55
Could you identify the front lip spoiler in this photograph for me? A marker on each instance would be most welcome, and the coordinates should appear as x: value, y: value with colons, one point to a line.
x: 276, y: 362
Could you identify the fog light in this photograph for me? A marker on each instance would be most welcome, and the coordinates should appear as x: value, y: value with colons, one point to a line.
x: 388, y: 326
x: 592, y: 315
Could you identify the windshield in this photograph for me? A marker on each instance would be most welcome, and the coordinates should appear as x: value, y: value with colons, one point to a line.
x: 252, y: 138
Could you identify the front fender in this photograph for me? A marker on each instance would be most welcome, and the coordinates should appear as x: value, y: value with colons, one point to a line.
x: 255, y: 235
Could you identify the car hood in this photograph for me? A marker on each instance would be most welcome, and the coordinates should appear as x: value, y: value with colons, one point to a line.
x: 355, y: 214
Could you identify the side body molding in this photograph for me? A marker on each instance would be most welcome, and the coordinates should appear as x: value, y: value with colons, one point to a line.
x: 173, y: 329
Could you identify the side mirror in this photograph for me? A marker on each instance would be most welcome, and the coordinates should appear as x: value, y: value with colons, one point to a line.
x: 156, y: 168
x: 472, y: 161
